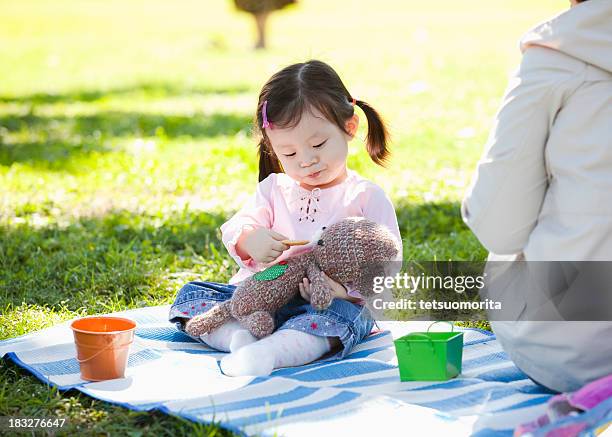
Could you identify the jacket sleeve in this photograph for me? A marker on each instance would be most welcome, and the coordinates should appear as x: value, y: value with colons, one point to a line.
x: 504, y: 200
x: 257, y: 212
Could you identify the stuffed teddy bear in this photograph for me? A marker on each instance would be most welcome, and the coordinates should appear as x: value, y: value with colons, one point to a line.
x: 353, y: 250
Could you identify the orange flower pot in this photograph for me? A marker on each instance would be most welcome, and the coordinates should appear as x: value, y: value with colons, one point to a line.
x: 103, y: 345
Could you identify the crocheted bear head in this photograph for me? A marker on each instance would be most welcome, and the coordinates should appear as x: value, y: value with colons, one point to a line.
x: 355, y: 250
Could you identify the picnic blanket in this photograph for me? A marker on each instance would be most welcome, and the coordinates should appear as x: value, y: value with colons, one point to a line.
x: 359, y: 395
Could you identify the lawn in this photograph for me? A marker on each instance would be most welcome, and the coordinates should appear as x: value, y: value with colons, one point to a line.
x: 125, y: 143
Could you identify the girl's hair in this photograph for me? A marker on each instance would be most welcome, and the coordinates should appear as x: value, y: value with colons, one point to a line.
x: 301, y: 87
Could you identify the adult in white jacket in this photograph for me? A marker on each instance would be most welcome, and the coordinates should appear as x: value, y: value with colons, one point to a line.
x: 543, y: 189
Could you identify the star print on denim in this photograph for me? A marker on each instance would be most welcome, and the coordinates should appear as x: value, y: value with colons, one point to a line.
x: 193, y: 310
x: 315, y: 325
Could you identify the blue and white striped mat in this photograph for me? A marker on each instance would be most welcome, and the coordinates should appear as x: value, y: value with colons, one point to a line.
x: 359, y: 395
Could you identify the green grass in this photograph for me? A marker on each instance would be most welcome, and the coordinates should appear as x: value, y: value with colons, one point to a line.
x: 125, y: 143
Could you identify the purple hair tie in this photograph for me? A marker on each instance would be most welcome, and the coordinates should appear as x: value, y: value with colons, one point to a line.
x: 264, y: 115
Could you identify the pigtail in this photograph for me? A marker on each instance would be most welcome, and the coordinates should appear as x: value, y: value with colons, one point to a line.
x: 378, y: 136
x: 268, y: 162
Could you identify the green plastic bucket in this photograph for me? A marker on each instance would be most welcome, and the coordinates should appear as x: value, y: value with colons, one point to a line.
x: 429, y: 356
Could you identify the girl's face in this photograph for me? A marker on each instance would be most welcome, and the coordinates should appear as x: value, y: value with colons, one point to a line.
x: 314, y: 151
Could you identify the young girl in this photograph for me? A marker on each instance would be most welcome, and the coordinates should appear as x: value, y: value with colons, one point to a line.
x: 305, y: 117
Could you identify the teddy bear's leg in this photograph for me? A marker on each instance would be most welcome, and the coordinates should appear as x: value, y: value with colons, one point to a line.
x: 209, y: 321
x: 260, y: 323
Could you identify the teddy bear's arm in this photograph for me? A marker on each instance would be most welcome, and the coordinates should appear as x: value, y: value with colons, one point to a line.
x: 321, y: 293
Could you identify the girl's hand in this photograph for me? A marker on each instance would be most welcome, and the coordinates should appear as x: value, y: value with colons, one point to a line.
x: 261, y: 244
x: 338, y: 290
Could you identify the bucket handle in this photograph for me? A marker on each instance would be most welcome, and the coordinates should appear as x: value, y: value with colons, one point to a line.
x: 422, y: 335
x: 108, y: 346
x: 442, y: 321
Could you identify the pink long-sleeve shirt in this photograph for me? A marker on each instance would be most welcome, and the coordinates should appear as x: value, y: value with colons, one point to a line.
x: 282, y: 205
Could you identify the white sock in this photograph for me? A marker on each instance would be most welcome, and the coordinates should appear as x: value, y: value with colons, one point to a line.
x: 228, y: 337
x: 240, y: 338
x: 284, y: 348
